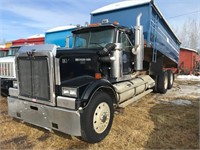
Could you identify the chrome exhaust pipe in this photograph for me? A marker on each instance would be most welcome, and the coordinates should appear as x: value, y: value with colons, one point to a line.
x: 138, y: 49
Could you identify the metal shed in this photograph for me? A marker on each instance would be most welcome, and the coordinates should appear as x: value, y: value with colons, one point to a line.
x: 60, y: 36
x: 189, y: 61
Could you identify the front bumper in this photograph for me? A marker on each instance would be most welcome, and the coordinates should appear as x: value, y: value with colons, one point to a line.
x: 63, y: 120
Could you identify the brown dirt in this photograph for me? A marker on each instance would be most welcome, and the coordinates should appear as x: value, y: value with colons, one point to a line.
x: 152, y: 123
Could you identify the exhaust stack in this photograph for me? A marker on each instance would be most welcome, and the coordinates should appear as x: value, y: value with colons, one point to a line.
x: 138, y: 49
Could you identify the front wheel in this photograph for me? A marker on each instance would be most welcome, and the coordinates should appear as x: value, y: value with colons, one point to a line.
x: 97, y: 118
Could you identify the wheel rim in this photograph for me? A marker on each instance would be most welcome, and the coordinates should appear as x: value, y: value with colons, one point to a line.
x: 101, y: 117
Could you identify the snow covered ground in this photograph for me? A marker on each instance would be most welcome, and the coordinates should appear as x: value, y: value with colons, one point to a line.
x: 188, y: 77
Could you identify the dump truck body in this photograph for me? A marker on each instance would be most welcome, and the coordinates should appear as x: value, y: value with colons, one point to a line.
x: 157, y: 33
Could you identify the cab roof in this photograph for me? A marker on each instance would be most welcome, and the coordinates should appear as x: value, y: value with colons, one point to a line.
x: 97, y: 26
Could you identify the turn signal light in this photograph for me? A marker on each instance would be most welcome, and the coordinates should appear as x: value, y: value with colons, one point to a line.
x: 116, y: 23
x: 94, y: 25
x: 98, y: 76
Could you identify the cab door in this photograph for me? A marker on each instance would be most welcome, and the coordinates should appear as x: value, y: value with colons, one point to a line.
x: 125, y: 40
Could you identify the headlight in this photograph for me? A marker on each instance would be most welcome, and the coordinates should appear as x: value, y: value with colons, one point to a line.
x: 15, y: 85
x: 69, y: 91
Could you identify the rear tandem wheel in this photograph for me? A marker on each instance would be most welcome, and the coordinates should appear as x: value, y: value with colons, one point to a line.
x: 162, y: 83
x: 170, y: 79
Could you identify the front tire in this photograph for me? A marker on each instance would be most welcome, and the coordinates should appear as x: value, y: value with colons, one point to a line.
x: 97, y: 118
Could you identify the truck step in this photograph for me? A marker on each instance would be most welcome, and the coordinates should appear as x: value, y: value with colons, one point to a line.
x: 134, y: 99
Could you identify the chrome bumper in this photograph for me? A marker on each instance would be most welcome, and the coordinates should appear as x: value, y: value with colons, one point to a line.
x: 63, y: 120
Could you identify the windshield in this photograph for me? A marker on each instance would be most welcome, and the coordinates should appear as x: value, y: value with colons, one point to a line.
x: 13, y: 50
x: 3, y: 53
x: 94, y: 38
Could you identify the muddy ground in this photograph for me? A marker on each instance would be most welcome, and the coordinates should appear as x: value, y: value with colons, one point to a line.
x: 169, y: 121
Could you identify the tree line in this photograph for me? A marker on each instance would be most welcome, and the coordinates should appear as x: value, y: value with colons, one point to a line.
x: 189, y: 34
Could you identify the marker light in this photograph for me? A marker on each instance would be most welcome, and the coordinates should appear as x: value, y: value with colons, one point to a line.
x: 116, y: 23
x: 94, y: 25
x: 98, y: 76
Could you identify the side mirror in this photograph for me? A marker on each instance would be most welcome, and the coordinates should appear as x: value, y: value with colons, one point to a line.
x: 68, y: 42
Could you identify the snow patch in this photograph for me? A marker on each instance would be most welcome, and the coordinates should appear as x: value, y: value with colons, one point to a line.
x: 181, y: 102
x: 188, y: 77
x: 120, y: 5
x: 60, y: 28
x: 36, y: 36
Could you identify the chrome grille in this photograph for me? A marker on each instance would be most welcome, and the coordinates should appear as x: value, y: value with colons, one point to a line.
x: 7, y: 69
x: 34, y: 77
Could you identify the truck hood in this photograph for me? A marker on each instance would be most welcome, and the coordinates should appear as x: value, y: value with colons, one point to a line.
x: 78, y: 81
x: 7, y: 59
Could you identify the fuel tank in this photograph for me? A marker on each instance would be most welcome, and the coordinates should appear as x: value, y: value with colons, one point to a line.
x: 128, y: 89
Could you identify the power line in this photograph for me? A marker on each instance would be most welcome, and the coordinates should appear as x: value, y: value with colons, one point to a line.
x: 184, y: 14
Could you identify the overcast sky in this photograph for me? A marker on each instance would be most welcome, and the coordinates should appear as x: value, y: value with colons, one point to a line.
x: 24, y: 18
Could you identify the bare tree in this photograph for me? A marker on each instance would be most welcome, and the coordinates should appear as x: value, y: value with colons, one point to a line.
x: 189, y: 34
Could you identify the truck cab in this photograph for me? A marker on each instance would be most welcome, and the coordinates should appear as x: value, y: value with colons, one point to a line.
x: 82, y: 85
x: 92, y: 54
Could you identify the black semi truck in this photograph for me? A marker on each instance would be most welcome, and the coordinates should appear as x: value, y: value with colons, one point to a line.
x: 76, y: 91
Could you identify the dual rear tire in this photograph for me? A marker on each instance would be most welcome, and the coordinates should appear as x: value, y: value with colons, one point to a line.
x: 170, y: 79
x: 164, y: 81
